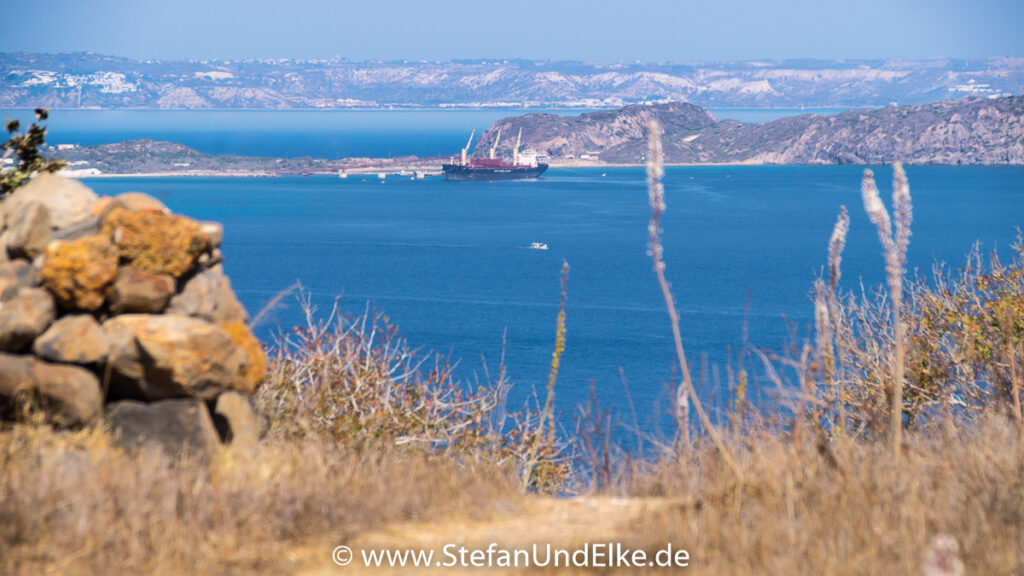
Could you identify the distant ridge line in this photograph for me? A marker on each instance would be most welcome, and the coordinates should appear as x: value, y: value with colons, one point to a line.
x: 82, y: 80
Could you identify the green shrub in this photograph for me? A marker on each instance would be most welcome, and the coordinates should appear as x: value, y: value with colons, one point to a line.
x: 26, y: 147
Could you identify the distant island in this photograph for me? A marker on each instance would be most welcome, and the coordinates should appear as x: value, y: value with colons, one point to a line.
x: 157, y: 158
x: 970, y: 131
x: 84, y: 80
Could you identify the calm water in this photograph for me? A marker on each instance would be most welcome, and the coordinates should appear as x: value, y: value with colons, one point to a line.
x: 449, y: 263
x: 321, y: 134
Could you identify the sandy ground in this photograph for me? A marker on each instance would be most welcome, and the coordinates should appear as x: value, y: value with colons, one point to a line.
x: 562, y: 523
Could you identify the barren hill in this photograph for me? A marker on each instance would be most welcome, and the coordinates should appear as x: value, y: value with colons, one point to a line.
x: 971, y: 131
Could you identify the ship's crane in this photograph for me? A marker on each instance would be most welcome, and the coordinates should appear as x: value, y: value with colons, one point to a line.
x: 466, y: 149
x: 495, y: 147
x: 515, y: 151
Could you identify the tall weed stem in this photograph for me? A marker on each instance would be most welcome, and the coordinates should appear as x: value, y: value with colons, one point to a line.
x: 656, y: 194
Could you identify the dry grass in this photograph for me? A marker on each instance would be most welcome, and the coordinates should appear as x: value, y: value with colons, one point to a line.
x: 894, y: 245
x: 687, y: 394
x: 72, y: 503
x: 540, y: 450
x: 845, y: 509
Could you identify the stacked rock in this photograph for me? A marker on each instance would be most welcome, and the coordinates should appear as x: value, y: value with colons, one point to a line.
x: 115, y: 306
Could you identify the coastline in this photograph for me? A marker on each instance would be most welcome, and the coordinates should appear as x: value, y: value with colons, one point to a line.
x: 191, y: 174
x: 408, y: 171
x: 403, y: 170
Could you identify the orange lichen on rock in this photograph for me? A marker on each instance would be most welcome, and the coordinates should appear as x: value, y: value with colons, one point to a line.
x: 100, y: 206
x: 253, y: 371
x: 78, y: 272
x: 157, y: 242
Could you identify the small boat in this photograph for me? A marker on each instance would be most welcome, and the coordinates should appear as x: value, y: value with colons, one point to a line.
x: 538, y: 246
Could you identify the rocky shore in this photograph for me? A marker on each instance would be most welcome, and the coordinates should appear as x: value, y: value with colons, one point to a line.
x: 115, y: 308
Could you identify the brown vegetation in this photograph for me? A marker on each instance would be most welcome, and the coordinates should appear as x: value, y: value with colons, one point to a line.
x: 843, y: 507
x: 75, y: 503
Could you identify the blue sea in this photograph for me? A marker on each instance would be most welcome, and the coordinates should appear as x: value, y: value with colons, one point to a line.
x: 449, y: 263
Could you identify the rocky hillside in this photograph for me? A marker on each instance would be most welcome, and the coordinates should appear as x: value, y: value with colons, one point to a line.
x: 972, y: 131
x: 87, y: 80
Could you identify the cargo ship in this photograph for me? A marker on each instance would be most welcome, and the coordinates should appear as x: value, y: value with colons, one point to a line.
x: 492, y: 168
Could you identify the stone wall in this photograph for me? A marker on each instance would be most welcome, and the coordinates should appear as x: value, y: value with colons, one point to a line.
x: 115, y: 308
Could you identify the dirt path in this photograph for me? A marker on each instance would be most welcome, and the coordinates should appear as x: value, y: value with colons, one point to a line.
x: 562, y: 523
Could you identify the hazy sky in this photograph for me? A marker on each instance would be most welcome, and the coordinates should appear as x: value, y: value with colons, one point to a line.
x: 595, y: 30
